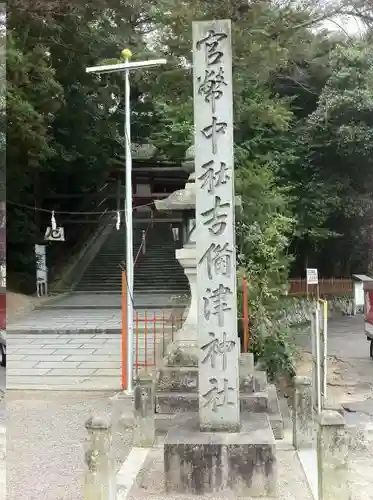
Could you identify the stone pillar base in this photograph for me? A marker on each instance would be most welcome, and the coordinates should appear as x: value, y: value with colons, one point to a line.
x: 204, y: 462
x: 182, y: 353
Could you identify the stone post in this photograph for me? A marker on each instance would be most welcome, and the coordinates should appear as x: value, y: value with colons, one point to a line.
x: 144, y: 413
x: 302, y: 413
x: 332, y: 457
x: 99, y: 476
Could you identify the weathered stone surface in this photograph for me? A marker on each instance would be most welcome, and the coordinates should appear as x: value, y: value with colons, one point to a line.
x: 143, y: 416
x: 99, y: 474
x: 180, y: 379
x: 334, y: 406
x: 260, y: 380
x: 332, y: 451
x: 200, y: 462
x: 183, y: 357
x: 247, y: 384
x: 277, y: 424
x: 256, y: 402
x: 174, y: 402
x: 302, y: 413
x: 246, y: 370
x: 273, y: 402
x: 246, y: 363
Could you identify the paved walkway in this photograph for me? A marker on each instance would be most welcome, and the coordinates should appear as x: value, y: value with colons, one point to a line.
x: 77, y: 348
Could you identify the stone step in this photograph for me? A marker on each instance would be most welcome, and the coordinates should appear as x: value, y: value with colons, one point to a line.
x: 179, y: 402
x: 165, y: 420
x: 257, y: 402
x: 177, y: 380
x: 156, y: 271
x: 277, y: 424
x: 180, y: 379
x: 255, y: 382
x: 176, y: 402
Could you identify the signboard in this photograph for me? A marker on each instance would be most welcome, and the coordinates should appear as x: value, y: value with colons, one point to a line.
x: 57, y: 234
x: 312, y: 277
x: 41, y: 270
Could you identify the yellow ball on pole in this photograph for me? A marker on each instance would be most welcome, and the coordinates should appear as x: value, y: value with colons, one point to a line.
x: 126, y: 54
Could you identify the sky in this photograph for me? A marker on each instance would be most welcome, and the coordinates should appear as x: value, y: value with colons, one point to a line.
x: 349, y: 24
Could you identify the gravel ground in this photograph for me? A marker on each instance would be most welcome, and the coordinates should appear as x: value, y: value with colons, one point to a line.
x: 46, y: 437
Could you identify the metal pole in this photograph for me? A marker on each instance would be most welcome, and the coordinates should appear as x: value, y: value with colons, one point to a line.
x: 325, y: 381
x: 129, y: 231
x: 318, y: 360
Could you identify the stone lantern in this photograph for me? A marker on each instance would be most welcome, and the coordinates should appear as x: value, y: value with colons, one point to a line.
x: 184, y: 201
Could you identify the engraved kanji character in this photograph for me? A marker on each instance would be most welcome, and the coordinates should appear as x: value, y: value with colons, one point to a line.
x: 216, y: 303
x: 211, y: 86
x: 217, y: 398
x: 211, y: 42
x: 214, y: 178
x: 216, y: 218
x: 211, y: 131
x: 218, y: 259
x: 215, y: 347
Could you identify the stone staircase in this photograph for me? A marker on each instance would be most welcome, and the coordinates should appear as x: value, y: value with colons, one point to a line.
x: 156, y: 271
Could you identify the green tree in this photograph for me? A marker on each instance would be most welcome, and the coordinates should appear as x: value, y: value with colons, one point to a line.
x: 33, y: 96
x: 339, y: 139
x: 65, y: 127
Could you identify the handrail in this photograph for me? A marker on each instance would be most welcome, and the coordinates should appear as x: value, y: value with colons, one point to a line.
x: 143, y: 244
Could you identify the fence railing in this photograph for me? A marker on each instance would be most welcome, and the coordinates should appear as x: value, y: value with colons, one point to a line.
x: 332, y: 286
x: 153, y: 331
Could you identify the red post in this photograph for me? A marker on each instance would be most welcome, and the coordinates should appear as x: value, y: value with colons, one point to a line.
x: 124, y: 331
x: 137, y: 343
x: 146, y: 341
x: 245, y: 316
x: 154, y: 339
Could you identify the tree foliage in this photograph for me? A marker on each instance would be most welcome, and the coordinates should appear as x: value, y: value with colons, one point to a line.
x: 303, y: 121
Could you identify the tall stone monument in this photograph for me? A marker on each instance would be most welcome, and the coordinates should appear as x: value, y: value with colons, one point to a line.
x: 215, y: 449
x: 215, y: 234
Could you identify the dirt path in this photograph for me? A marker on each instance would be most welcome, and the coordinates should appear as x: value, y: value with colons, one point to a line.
x: 18, y: 305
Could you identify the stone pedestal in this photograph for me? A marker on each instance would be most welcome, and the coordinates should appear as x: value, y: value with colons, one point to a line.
x: 177, y: 390
x: 204, y: 462
x: 332, y: 457
x: 183, y: 351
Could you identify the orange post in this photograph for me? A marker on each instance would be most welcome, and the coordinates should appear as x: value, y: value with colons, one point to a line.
x: 154, y: 339
x: 245, y: 316
x: 124, y: 331
x: 163, y: 339
x: 137, y: 343
x: 146, y: 340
